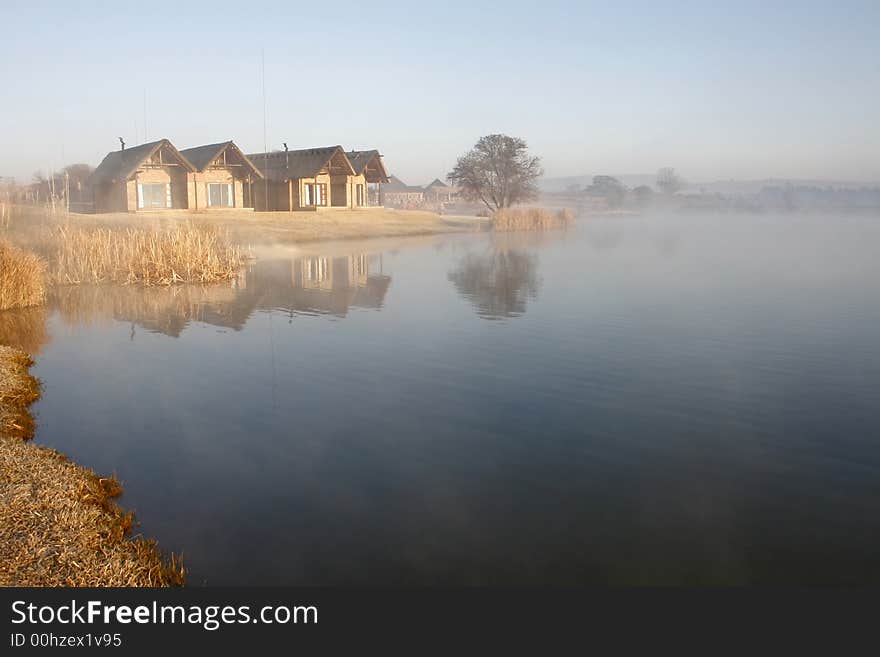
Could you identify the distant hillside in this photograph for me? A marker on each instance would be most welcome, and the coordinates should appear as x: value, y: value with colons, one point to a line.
x: 560, y: 184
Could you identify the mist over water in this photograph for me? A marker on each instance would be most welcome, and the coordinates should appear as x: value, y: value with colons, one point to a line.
x: 654, y: 399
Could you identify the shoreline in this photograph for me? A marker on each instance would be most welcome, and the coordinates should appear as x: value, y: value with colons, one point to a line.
x: 60, y: 524
x: 262, y: 228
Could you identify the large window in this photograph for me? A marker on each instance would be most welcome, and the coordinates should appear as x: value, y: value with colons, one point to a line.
x: 314, y: 194
x: 154, y: 195
x: 220, y: 195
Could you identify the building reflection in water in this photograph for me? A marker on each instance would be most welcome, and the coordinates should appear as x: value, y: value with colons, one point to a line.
x: 306, y: 285
x: 498, y: 283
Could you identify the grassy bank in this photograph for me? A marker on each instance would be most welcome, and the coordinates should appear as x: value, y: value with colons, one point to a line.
x: 245, y: 227
x: 164, y: 256
x: 59, y: 525
x: 92, y: 250
x: 22, y: 277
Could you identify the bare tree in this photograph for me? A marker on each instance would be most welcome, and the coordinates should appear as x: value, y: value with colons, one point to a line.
x: 78, y: 174
x: 668, y: 181
x: 498, y: 171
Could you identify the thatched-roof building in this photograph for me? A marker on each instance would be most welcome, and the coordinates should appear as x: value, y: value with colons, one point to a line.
x: 157, y: 176
x: 223, y: 178
x: 307, y: 179
x: 369, y: 170
x: 150, y: 176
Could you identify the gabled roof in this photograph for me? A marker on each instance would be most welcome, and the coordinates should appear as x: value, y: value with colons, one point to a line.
x: 121, y: 165
x: 436, y: 183
x: 360, y: 159
x: 395, y: 184
x: 305, y: 163
x: 201, y: 157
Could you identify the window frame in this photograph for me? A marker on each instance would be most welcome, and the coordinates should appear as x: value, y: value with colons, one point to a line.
x: 226, y: 189
x: 164, y: 194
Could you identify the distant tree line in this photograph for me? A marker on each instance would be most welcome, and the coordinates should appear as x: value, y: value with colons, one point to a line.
x: 615, y: 194
x: 68, y: 184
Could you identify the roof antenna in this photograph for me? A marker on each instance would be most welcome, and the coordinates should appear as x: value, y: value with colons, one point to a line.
x: 265, y: 147
x: 122, y: 141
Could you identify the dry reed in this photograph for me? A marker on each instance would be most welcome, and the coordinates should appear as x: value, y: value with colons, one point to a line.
x: 183, y: 254
x: 5, y: 215
x: 22, y: 278
x: 508, y: 219
x: 59, y: 525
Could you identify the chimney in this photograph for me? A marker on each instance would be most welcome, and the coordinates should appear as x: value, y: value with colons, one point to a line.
x: 122, y: 141
x: 286, y: 157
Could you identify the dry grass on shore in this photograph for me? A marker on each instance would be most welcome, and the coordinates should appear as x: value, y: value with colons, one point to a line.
x: 59, y: 525
x: 510, y: 219
x: 183, y: 254
x: 22, y: 278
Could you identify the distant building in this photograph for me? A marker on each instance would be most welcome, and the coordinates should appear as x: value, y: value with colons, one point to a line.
x: 397, y: 194
x: 439, y: 192
x: 223, y: 178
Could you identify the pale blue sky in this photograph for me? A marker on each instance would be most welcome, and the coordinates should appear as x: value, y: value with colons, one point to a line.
x: 753, y: 89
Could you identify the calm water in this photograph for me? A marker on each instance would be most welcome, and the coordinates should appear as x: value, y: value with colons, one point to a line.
x: 639, y: 400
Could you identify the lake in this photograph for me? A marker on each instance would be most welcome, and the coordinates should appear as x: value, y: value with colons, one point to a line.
x: 638, y: 400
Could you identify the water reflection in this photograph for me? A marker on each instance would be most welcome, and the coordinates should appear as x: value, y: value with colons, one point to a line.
x: 498, y: 283
x: 24, y: 329
x: 701, y: 411
x: 307, y: 285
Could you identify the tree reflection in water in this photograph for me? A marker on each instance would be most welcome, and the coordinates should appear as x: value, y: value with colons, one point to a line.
x: 498, y: 283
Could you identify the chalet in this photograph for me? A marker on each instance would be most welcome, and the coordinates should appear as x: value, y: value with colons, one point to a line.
x: 308, y: 179
x: 439, y: 192
x: 397, y: 194
x: 368, y: 170
x: 223, y: 178
x: 150, y: 176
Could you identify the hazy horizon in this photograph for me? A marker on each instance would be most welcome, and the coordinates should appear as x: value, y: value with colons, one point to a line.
x: 750, y: 93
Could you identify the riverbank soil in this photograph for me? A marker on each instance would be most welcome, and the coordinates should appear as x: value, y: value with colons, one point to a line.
x: 59, y: 525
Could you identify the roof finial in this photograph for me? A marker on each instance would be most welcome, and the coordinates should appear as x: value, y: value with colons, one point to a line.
x: 122, y: 141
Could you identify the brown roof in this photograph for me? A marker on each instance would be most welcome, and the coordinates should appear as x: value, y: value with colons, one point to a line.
x: 201, y: 157
x: 395, y: 184
x: 304, y: 163
x: 360, y: 159
x: 121, y: 165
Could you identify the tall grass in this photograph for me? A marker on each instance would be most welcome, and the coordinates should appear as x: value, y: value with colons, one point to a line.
x: 183, y: 254
x: 5, y: 215
x: 22, y: 277
x: 530, y: 219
